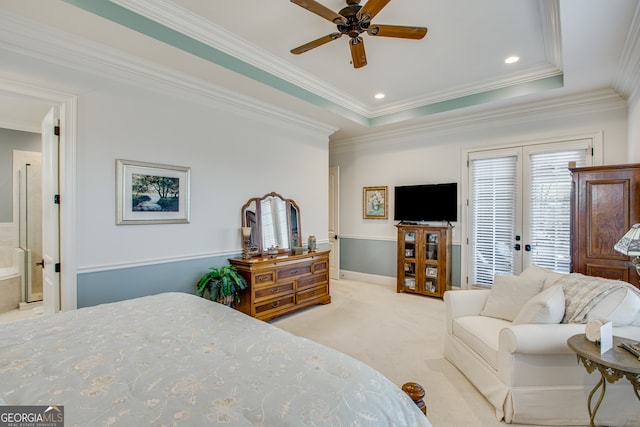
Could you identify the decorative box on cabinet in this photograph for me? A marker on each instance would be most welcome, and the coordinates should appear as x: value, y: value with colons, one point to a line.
x: 424, y: 259
x: 605, y: 203
x: 283, y: 284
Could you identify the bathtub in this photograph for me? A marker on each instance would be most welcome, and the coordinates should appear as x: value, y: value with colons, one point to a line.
x: 10, y: 289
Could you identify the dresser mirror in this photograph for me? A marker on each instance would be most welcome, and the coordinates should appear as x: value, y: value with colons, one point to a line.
x: 274, y: 222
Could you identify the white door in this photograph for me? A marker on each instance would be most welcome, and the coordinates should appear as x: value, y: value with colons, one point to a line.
x: 50, y: 212
x: 334, y: 222
x: 520, y: 207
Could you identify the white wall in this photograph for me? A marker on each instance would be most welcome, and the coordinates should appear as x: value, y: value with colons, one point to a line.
x: 433, y: 155
x: 232, y: 158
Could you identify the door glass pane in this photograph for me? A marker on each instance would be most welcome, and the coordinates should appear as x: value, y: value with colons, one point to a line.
x: 550, y: 208
x: 493, y: 201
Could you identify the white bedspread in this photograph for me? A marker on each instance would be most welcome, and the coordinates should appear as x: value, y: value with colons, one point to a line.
x: 177, y: 359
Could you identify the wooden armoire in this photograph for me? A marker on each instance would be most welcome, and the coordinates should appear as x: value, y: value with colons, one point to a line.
x: 605, y: 203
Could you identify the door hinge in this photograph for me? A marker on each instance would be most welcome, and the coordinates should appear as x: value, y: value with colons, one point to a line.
x: 56, y: 130
x: 56, y: 199
x: 56, y: 267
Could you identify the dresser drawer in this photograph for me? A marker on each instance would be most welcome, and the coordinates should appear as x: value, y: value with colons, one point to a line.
x: 305, y: 282
x: 264, y: 277
x: 263, y: 310
x: 293, y: 271
x: 272, y: 291
x: 312, y: 294
x: 320, y: 266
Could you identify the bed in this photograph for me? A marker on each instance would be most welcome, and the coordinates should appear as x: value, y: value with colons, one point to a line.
x: 178, y: 359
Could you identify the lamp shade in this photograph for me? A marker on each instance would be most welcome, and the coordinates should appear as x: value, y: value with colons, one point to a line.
x: 630, y: 242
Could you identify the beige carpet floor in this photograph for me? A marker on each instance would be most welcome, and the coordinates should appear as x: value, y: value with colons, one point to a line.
x: 402, y: 336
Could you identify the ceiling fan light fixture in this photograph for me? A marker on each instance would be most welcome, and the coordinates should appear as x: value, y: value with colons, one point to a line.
x: 512, y: 59
x: 352, y: 21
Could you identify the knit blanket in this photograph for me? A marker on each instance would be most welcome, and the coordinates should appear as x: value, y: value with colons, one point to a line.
x: 582, y: 293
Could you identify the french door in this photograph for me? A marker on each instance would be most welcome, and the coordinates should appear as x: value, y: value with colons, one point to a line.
x: 519, y: 207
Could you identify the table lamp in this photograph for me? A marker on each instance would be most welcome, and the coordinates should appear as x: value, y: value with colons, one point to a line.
x: 630, y: 245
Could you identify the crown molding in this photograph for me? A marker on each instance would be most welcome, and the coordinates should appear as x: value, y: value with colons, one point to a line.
x: 172, y: 16
x: 36, y: 40
x: 627, y: 77
x: 533, y: 74
x: 551, y: 30
x: 593, y: 101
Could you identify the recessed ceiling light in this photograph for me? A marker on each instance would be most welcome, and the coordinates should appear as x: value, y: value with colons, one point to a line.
x: 512, y: 59
x: 379, y: 95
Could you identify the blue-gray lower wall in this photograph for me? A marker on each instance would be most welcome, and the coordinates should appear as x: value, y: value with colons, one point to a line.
x: 125, y: 283
x: 379, y: 257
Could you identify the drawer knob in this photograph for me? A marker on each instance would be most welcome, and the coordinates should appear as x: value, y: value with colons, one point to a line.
x: 274, y: 290
x: 275, y: 304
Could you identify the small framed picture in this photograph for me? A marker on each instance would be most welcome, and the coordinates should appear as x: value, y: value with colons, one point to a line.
x: 151, y: 193
x: 374, y: 202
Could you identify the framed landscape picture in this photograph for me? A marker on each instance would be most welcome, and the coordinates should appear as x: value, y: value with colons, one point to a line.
x: 374, y: 202
x: 151, y: 193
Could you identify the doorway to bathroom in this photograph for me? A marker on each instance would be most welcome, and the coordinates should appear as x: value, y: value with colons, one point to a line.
x: 20, y: 218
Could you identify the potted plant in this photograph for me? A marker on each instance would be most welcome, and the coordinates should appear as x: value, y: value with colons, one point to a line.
x: 223, y: 284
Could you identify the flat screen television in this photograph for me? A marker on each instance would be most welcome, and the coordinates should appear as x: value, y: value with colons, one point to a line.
x: 429, y: 202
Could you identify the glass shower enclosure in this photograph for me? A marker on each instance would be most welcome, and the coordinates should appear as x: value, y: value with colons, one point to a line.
x: 30, y: 228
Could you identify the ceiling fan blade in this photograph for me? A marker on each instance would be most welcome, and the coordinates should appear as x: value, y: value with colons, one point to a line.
x: 313, y: 44
x: 320, y: 10
x: 371, y: 9
x: 358, y: 56
x: 400, y: 31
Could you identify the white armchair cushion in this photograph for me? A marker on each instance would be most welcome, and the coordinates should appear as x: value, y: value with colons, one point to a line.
x: 545, y: 307
x: 508, y: 295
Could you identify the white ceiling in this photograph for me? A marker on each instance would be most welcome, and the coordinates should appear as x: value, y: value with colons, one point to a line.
x: 458, y: 66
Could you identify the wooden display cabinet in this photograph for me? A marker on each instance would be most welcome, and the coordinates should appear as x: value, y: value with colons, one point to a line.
x: 424, y: 259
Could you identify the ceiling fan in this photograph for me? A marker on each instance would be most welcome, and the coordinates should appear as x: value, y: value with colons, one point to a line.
x: 352, y: 21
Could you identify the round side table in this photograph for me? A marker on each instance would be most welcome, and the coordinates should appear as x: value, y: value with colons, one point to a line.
x: 612, y: 365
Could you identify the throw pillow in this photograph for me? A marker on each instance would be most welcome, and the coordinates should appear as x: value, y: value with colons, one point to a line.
x: 508, y: 295
x: 536, y: 272
x: 546, y: 307
x: 620, y: 307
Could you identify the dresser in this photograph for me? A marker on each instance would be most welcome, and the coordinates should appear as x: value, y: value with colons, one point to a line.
x: 283, y: 284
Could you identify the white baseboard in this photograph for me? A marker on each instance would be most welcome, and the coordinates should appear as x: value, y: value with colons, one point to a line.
x: 369, y: 278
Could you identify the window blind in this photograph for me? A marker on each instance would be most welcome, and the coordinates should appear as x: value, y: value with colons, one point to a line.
x: 550, y: 208
x: 494, y: 192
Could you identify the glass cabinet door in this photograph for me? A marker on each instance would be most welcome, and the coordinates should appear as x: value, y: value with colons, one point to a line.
x: 410, y: 247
